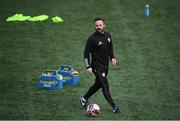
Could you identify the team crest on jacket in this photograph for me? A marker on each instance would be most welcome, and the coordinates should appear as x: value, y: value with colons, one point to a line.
x: 109, y: 40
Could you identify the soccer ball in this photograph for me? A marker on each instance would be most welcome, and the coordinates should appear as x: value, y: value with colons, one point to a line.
x: 93, y: 110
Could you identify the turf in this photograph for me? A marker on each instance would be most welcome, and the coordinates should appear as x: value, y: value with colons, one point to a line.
x: 145, y: 82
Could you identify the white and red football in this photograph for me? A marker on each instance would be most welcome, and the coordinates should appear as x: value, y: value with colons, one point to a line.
x: 93, y: 110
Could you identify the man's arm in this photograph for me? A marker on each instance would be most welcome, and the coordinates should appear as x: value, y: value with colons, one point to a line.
x: 87, y: 52
x: 111, y: 54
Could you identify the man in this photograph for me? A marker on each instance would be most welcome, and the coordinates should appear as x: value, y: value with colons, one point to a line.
x: 99, y: 48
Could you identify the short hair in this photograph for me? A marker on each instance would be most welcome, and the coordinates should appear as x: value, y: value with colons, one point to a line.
x: 97, y: 19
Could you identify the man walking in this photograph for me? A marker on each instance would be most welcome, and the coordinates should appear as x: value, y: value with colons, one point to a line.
x: 99, y: 48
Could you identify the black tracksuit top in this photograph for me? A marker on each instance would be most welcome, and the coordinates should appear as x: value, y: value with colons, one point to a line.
x: 98, y: 50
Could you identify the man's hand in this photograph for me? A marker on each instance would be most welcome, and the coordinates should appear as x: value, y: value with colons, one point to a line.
x: 113, y: 61
x: 89, y: 71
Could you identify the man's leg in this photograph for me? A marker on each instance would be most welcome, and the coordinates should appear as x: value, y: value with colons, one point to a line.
x: 93, y: 89
x: 105, y: 88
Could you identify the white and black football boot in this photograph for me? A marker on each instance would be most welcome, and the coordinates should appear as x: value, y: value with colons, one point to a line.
x: 115, y: 109
x: 83, y: 102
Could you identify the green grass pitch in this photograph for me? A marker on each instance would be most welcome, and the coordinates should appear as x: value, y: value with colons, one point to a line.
x: 145, y: 83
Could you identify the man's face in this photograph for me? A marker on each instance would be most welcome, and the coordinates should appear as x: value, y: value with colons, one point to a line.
x: 99, y: 26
